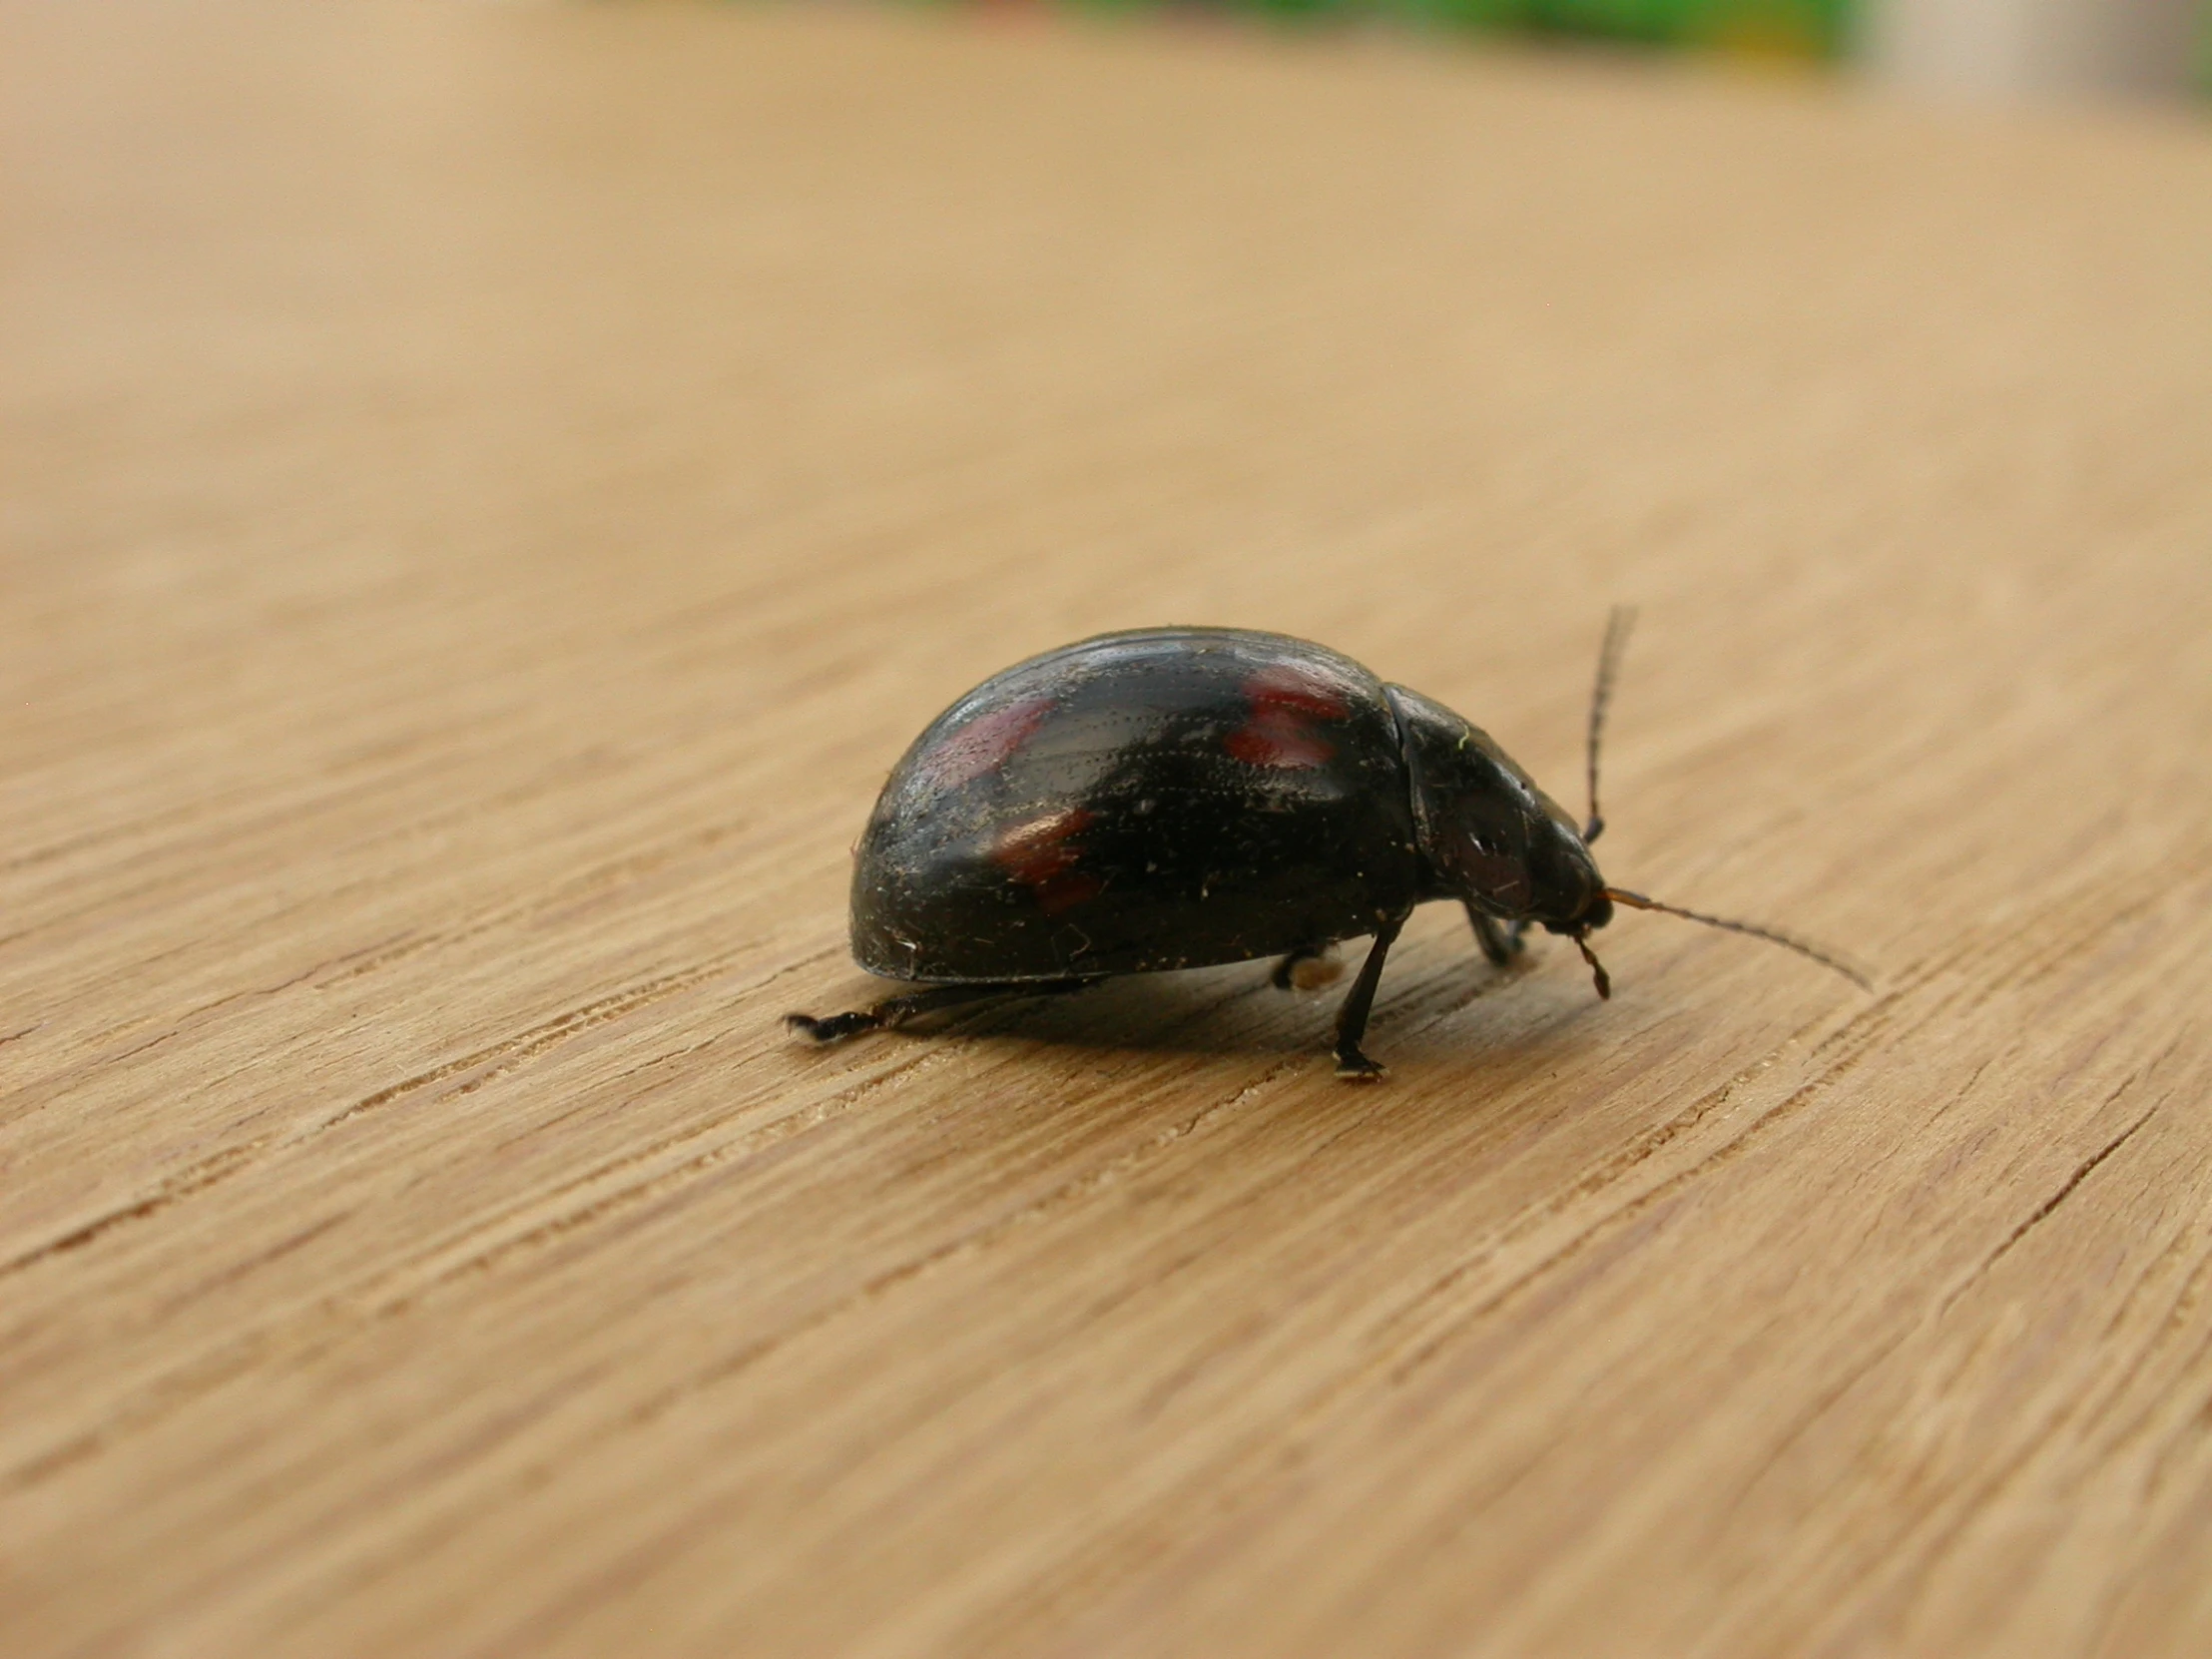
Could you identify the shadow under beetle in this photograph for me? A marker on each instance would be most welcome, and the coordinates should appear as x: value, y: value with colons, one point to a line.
x: 1177, y: 798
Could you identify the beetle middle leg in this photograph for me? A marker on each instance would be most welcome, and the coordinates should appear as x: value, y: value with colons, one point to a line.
x: 1307, y: 968
x: 1351, y: 1019
x: 1499, y: 942
x: 896, y: 1011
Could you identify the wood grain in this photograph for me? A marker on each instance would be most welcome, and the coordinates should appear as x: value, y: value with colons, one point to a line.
x: 492, y: 490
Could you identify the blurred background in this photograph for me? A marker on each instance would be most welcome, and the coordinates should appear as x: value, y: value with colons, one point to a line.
x: 1990, y: 49
x: 488, y: 489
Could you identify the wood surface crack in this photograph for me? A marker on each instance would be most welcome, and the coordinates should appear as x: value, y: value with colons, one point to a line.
x: 487, y: 1257
x: 371, y: 1299
x: 2195, y: 1291
x: 199, y: 1010
x: 1396, y: 1363
x: 2197, y: 1424
x: 1916, y: 1556
x: 1612, y: 1171
x: 538, y: 1038
x: 726, y: 1013
x: 1070, y: 1191
x: 506, y: 1056
x: 937, y: 1052
x: 191, y: 1179
x: 1916, y: 1560
x: 1829, y: 1397
x: 94, y: 837
x: 2044, y: 1210
x: 173, y: 1393
x: 612, y: 874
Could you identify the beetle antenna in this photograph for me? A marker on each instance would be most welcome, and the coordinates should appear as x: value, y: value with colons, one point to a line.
x: 1826, y: 958
x: 1617, y: 625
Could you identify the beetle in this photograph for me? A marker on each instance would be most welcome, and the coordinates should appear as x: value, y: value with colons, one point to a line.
x: 1178, y: 797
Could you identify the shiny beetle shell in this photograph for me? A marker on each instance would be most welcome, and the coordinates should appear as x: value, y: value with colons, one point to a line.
x: 1146, y: 801
x: 1181, y: 797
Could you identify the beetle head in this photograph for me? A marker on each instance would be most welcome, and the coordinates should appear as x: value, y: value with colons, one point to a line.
x: 1486, y: 833
x: 1489, y: 838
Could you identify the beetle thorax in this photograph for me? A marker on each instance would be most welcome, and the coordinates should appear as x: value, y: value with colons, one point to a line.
x: 1486, y: 833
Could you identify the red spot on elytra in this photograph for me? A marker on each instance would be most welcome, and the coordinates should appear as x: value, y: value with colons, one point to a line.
x: 985, y: 743
x: 1286, y: 701
x: 1042, y: 856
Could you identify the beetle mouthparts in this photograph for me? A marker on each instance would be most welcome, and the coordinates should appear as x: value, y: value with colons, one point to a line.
x: 1597, y: 968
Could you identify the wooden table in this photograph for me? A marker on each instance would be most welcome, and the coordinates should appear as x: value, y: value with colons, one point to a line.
x: 491, y: 490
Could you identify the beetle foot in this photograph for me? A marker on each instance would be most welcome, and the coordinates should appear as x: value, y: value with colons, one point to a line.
x: 1355, y: 1067
x: 1500, y: 942
x: 1307, y: 971
x: 836, y: 1027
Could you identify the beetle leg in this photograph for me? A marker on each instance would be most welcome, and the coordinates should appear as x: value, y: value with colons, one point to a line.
x: 1351, y: 1019
x: 1500, y: 945
x: 896, y: 1011
x: 1307, y: 968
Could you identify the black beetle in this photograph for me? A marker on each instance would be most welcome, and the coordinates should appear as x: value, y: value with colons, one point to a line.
x: 1176, y: 798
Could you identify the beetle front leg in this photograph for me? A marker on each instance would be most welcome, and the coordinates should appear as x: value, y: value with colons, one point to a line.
x: 1351, y: 1019
x: 1501, y: 944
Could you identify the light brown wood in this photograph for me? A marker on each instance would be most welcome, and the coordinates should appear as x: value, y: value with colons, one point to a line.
x: 490, y: 491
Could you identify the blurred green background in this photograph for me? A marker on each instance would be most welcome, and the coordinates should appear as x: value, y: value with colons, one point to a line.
x: 2021, y: 41
x: 1786, y: 28
x: 1790, y: 28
